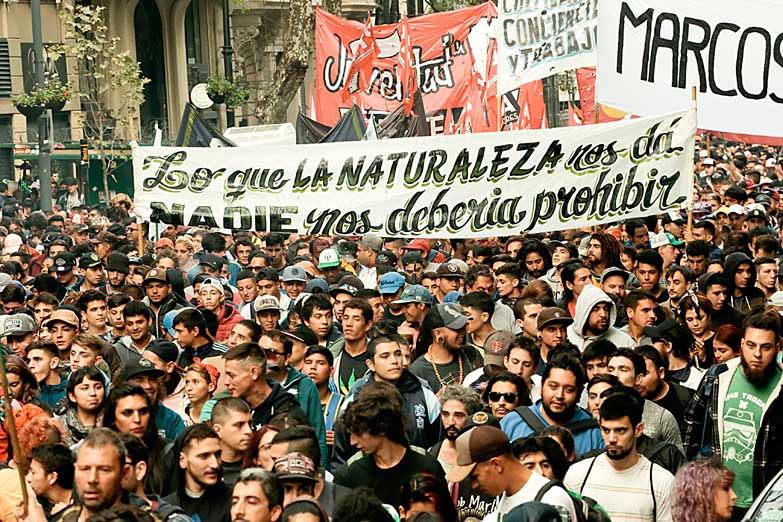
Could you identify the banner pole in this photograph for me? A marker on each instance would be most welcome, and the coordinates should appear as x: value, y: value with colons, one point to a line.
x: 690, y: 200
x: 500, y: 109
x: 596, y: 112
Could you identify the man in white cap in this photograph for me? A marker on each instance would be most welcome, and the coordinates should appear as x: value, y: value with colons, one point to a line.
x: 368, y: 249
x: 484, y: 454
x: 212, y: 296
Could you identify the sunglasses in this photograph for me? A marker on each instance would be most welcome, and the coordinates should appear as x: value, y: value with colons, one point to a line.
x: 272, y: 353
x: 508, y: 397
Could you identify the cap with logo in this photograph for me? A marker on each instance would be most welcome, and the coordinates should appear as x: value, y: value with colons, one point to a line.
x: 264, y: 303
x: 351, y: 290
x: 449, y: 271
x: 386, y: 257
x: 134, y: 368
x: 415, y: 294
x: 62, y: 315
x: 213, y: 261
x: 64, y: 261
x: 294, y: 274
x: 18, y: 324
x: 156, y: 274
x: 552, y: 315
x: 757, y: 213
x: 412, y: 257
x: 90, y: 260
x: 347, y: 250
x: 295, y: 466
x: 673, y: 217
x: 117, y: 262
x: 496, y: 346
x: 480, y: 418
x: 665, y: 238
x: 391, y: 282
x: 165, y: 350
x: 449, y: 315
x: 104, y: 237
x: 329, y: 258
x: 475, y: 446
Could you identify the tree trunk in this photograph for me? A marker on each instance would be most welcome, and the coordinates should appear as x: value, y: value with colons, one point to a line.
x: 292, y: 63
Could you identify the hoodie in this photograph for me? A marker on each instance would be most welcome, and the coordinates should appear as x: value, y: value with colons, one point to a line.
x: 227, y: 320
x: 591, y: 296
x: 752, y: 298
x: 301, y: 387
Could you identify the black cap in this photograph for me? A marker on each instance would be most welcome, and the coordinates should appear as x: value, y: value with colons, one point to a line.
x: 90, y: 260
x: 64, y: 261
x: 140, y: 367
x: 660, y: 330
x: 212, y: 261
x: 386, y: 257
x: 117, y: 262
x: 116, y: 229
x: 166, y: 350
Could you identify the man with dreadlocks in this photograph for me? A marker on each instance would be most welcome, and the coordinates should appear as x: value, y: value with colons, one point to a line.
x: 603, y: 251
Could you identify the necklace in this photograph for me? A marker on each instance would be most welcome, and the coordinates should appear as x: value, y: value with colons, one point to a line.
x: 435, y: 367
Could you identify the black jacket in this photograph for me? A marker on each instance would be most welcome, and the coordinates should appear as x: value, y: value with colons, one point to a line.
x: 752, y: 298
x: 278, y: 401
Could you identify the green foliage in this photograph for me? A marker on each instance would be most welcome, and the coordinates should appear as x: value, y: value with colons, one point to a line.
x: 53, y: 91
x: 233, y: 94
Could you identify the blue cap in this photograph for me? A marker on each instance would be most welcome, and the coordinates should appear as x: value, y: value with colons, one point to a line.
x: 317, y: 284
x: 415, y: 294
x: 452, y: 297
x: 391, y: 282
x: 168, y: 322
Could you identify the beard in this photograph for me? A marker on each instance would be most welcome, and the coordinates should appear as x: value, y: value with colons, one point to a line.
x: 757, y: 377
x: 618, y: 453
x: 559, y: 417
x: 451, y: 433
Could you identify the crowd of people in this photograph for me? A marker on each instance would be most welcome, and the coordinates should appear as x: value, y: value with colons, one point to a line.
x: 629, y: 372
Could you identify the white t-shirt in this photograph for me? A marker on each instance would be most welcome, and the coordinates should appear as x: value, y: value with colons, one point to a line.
x: 625, y: 495
x: 556, y: 496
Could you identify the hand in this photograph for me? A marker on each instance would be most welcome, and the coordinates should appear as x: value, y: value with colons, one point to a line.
x: 32, y: 511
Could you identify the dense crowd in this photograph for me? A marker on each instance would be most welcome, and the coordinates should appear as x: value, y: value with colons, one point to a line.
x: 627, y: 372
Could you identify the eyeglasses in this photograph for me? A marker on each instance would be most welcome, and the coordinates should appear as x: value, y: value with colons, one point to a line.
x: 272, y: 353
x: 508, y: 397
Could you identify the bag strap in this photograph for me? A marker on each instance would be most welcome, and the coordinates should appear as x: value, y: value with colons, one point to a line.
x: 657, y: 448
x: 545, y: 488
x: 589, y: 469
x: 582, y: 425
x: 531, y: 419
x: 652, y: 491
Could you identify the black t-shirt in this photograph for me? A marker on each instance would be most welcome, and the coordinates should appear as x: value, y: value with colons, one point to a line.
x: 472, y: 504
x: 449, y: 372
x: 386, y: 483
x: 675, y: 400
x: 231, y: 471
x: 351, y: 370
x: 213, y: 506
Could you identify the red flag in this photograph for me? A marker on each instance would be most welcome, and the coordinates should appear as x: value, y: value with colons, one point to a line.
x: 585, y: 80
x: 364, y: 55
x: 406, y: 72
x: 575, y: 116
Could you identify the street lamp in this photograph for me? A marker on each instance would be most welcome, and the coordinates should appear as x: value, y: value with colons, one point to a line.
x: 44, y: 160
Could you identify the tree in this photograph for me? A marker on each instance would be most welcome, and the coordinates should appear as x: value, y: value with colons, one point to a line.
x: 111, y: 86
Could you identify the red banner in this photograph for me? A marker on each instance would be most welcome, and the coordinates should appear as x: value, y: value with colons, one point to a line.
x: 585, y: 80
x: 446, y: 48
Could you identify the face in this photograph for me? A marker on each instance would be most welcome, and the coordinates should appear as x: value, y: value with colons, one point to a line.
x: 414, y: 270
x: 94, y: 275
x: 581, y: 280
x: 614, y: 285
x: 149, y: 384
x: 42, y: 312
x: 651, y: 381
x: 594, y: 399
x: 320, y: 322
x: 722, y: 351
x: 197, y: 388
x: 619, y: 437
x: 530, y: 319
x: 698, y: 264
x: 519, y: 362
x: 98, y: 476
x: 239, y: 335
x: 211, y: 297
x: 503, y: 398
x: 366, y: 443
x: 240, y: 378
x: 14, y: 384
x: 552, y: 334
x: 512, y: 248
x: 644, y: 313
x: 535, y: 264
x: 505, y: 284
x: 185, y: 337
x: 476, y: 319
x: 38, y: 478
x: 248, y: 290
x: 88, y: 395
x: 41, y: 363
x: 243, y: 253
x: 559, y: 394
x: 182, y: 252
x: 19, y: 343
x: 716, y: 294
x: 448, y: 284
x: 453, y: 415
x: 743, y: 275
x: 201, y: 460
x: 62, y: 335
x: 649, y: 276
x: 267, y: 287
x: 268, y: 319
x: 82, y: 357
x: 539, y: 463
x: 768, y: 275
x: 116, y: 318
x: 596, y: 366
x: 641, y: 237
x: 294, y: 288
x: 484, y: 478
x: 484, y: 284
x: 697, y: 321
x: 594, y: 251
x: 235, y: 431
x: 598, y: 320
x: 677, y: 286
x: 622, y: 368
x: 96, y: 314
x: 275, y: 253
x: 249, y: 504
x: 724, y: 500
x: 340, y: 301
x: 157, y: 291
x: 387, y: 362
x: 759, y: 349
x: 377, y: 309
x: 559, y: 255
x: 132, y: 415
x: 413, y: 311
x: 317, y: 368
x: 275, y: 352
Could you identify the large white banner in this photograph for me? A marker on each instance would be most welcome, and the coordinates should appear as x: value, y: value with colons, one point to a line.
x: 474, y: 185
x: 538, y: 38
x: 652, y: 52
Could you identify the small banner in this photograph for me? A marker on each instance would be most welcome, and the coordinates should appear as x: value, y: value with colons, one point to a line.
x: 540, y: 38
x: 653, y: 52
x: 488, y: 184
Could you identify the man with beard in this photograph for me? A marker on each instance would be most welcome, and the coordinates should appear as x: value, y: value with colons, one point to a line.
x: 534, y: 257
x: 678, y: 280
x: 200, y: 492
x: 737, y: 411
x: 231, y: 421
x: 457, y: 404
x: 594, y: 315
x: 624, y: 482
x: 603, y: 251
x: 561, y: 387
x: 640, y: 307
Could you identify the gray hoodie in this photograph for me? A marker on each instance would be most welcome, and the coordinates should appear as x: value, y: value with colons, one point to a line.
x: 591, y: 296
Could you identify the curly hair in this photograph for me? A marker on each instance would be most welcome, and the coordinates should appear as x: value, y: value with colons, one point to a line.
x: 377, y: 410
x: 694, y: 490
x: 467, y: 396
x: 610, y: 249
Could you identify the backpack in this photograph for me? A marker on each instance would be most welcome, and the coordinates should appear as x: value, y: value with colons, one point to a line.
x: 538, y: 426
x: 587, y: 509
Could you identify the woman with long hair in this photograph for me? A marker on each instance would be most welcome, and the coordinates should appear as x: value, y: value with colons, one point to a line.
x: 21, y: 381
x: 694, y: 312
x: 726, y: 343
x: 575, y: 276
x: 703, y: 492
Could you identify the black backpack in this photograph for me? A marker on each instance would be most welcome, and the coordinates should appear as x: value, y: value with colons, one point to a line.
x: 587, y: 509
x: 538, y: 426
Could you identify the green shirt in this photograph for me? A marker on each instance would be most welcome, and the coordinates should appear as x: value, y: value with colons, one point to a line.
x: 742, y: 416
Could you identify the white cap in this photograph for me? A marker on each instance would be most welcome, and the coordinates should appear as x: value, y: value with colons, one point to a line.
x: 775, y: 299
x: 12, y: 244
x: 737, y: 209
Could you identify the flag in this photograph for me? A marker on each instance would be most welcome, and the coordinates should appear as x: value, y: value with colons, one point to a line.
x: 351, y: 127
x: 360, y: 72
x: 575, y: 116
x: 406, y: 72
x: 195, y: 131
x: 311, y: 112
x: 309, y: 131
x: 585, y: 80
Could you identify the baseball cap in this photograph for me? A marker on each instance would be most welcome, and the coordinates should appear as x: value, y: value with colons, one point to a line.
x: 294, y: 274
x: 613, y: 270
x: 412, y: 257
x: 708, y: 161
x: 386, y: 257
x: 140, y: 367
x: 480, y: 418
x: 117, y: 262
x: 660, y: 330
x: 166, y: 350
x: 477, y: 445
x: 347, y: 250
x: 296, y: 466
x: 736, y: 209
x: 496, y: 346
x: 156, y: 274
x: 104, y: 237
x: 344, y: 287
x: 673, y: 217
x: 212, y: 261
x: 391, y: 282
x: 319, y: 284
x: 665, y: 238
x: 266, y: 302
x: 329, y: 258
x: 418, y: 244
x: 776, y: 299
x: 119, y: 230
x: 552, y: 315
x: 449, y: 315
x: 757, y: 213
x: 168, y: 322
x: 449, y: 271
x: 453, y: 297
x: 371, y: 242
x: 18, y: 324
x: 90, y: 260
x: 164, y: 242
x: 62, y: 315
x: 64, y: 261
x: 211, y: 281
x: 12, y: 243
x: 415, y: 294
